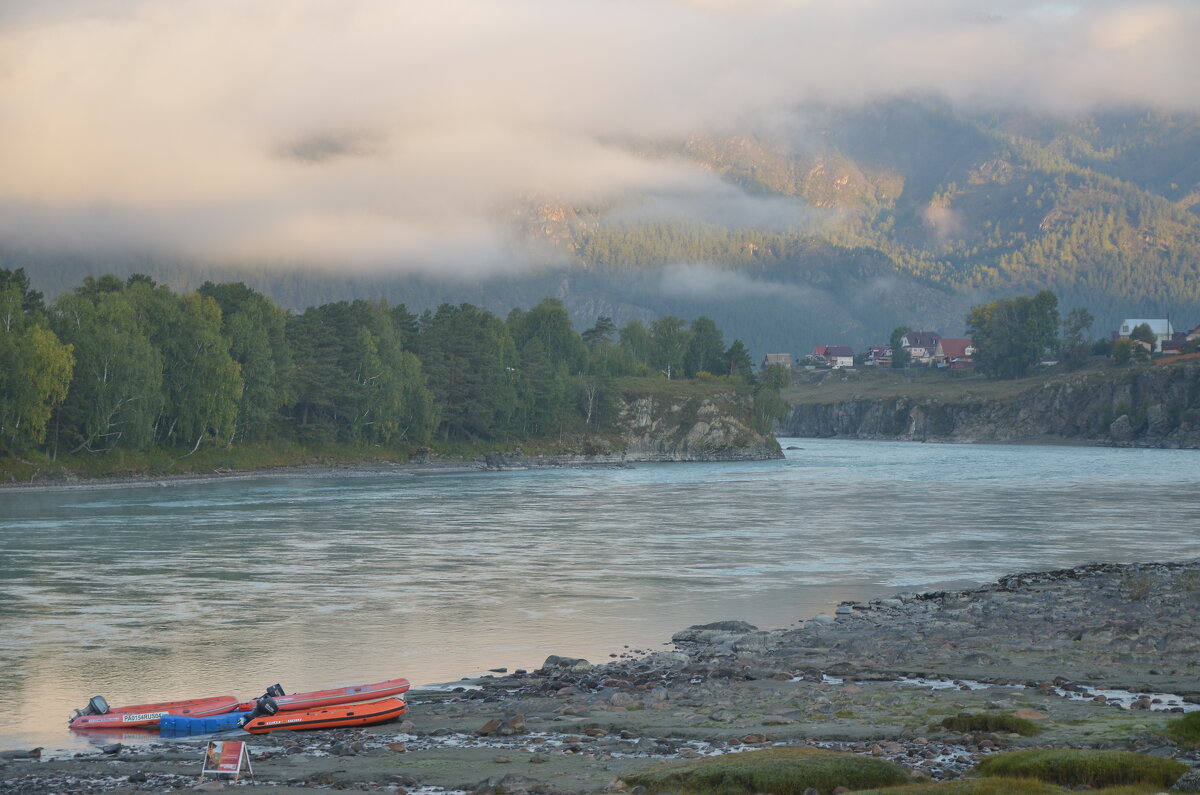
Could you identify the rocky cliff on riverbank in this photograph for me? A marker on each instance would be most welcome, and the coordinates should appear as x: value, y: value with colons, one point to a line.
x: 718, y: 426
x: 1150, y: 406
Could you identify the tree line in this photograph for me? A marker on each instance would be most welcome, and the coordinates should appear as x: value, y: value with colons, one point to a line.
x: 1013, y: 335
x: 129, y: 364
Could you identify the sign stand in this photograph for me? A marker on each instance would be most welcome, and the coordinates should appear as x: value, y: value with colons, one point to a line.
x: 226, y: 759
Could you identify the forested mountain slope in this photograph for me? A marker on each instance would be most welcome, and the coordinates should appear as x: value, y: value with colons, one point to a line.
x: 837, y: 228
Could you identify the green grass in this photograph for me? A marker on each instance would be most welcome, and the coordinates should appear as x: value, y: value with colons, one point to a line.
x: 990, y: 722
x: 778, y: 771
x: 1005, y: 786
x: 659, y: 387
x: 971, y: 786
x: 1073, y: 767
x: 1186, y: 729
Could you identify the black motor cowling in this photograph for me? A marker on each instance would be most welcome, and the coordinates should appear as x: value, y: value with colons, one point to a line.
x: 265, y: 706
x: 96, y: 706
x: 275, y: 691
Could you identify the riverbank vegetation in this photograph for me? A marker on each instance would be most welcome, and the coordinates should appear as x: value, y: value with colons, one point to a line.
x: 122, y: 377
x: 784, y: 771
x: 1085, y: 767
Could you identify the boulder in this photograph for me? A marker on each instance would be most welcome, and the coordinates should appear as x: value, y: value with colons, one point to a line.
x: 1121, y: 429
x: 575, y: 665
x: 1188, y: 782
x: 674, y: 660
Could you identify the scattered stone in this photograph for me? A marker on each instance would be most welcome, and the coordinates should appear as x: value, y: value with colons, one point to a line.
x: 32, y: 753
x: 1188, y: 782
x: 574, y: 665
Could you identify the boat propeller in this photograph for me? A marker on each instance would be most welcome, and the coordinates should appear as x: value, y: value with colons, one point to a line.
x: 264, y: 706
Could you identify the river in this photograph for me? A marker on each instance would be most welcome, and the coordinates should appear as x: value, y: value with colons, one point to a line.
x: 145, y: 593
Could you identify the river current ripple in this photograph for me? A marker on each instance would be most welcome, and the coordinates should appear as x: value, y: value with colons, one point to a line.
x: 154, y: 593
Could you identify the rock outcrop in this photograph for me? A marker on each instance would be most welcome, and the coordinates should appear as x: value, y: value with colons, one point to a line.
x: 1147, y: 407
x: 715, y: 428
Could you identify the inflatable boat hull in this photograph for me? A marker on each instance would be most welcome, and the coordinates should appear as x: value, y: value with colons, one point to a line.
x: 337, y: 695
x: 151, y: 714
x: 333, y: 717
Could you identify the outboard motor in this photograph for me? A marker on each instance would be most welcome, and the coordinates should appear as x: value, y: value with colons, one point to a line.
x: 264, y: 706
x: 276, y: 690
x: 96, y: 706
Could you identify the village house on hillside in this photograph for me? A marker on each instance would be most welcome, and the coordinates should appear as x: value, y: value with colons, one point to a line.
x: 878, y: 356
x: 784, y: 359
x: 921, y: 345
x: 835, y: 356
x: 1160, y: 327
x: 954, y: 353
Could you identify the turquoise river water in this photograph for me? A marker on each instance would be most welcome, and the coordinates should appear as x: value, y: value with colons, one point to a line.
x: 147, y: 593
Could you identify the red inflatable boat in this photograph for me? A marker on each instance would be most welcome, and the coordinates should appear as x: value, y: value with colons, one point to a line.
x: 98, y: 715
x: 330, y: 717
x: 336, y: 695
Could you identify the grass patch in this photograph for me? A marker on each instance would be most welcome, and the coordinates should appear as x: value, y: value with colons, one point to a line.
x: 778, y: 771
x: 1185, y: 729
x: 1074, y: 767
x: 990, y: 722
x: 1006, y: 786
x: 972, y: 786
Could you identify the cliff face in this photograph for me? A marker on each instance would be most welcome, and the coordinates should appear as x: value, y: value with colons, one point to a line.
x: 1146, y: 407
x: 716, y: 428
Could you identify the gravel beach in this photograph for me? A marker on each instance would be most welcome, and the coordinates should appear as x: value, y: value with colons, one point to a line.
x: 1097, y: 656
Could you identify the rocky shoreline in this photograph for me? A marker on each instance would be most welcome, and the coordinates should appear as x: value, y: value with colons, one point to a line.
x: 1042, y: 645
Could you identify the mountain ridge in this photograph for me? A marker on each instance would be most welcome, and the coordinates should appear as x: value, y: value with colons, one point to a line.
x: 906, y: 211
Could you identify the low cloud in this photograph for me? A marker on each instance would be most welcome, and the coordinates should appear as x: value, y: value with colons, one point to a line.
x: 707, y: 282
x: 397, y: 134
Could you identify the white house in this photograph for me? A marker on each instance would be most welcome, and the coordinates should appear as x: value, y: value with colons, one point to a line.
x: 1160, y: 327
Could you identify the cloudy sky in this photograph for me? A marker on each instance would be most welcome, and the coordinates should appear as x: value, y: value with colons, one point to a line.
x: 395, y: 133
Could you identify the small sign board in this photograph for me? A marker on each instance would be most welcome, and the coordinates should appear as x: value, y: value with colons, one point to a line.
x: 226, y: 759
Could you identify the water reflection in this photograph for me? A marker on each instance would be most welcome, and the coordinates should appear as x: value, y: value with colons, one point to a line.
x: 154, y: 593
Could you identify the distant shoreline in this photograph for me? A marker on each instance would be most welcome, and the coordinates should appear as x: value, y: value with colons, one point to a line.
x: 487, y: 463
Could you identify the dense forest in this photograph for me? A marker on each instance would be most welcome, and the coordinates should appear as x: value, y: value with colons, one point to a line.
x: 130, y: 365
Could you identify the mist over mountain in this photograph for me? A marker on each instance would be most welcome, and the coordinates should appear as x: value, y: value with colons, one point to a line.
x: 803, y: 173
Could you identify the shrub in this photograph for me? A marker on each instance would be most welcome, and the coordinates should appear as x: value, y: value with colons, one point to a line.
x: 1186, y: 729
x: 983, y: 722
x: 779, y: 771
x: 1073, y: 767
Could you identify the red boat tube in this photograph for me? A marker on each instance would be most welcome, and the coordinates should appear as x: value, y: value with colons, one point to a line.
x: 330, y: 717
x: 98, y: 715
x: 326, y: 698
